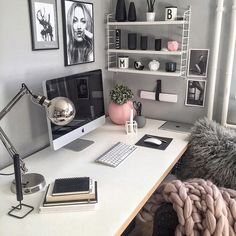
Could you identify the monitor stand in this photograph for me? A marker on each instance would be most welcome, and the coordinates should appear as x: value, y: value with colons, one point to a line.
x: 78, y: 145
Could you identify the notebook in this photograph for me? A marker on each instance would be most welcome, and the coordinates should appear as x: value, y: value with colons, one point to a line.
x: 71, y: 186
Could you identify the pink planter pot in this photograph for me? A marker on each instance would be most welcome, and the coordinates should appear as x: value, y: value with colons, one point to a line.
x: 119, y: 114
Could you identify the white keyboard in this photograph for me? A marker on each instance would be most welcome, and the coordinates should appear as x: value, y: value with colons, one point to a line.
x: 116, y: 154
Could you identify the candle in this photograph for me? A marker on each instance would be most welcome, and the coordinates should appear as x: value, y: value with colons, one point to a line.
x: 131, y: 120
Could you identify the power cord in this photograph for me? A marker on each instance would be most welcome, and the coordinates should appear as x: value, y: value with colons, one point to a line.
x: 6, y: 174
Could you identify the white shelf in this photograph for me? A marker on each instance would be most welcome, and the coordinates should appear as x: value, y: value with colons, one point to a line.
x: 181, y: 55
x: 177, y: 22
x: 169, y: 53
x: 147, y: 72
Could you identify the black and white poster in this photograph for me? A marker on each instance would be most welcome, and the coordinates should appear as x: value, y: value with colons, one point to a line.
x: 78, y: 26
x: 195, y: 92
x: 198, y: 62
x: 43, y: 16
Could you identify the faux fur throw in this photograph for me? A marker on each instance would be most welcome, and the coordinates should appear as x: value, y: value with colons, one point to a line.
x: 201, y: 207
x: 211, y: 154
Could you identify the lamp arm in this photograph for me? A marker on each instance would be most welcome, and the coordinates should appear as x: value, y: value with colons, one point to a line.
x: 14, y: 100
x: 5, y: 140
x: 11, y: 149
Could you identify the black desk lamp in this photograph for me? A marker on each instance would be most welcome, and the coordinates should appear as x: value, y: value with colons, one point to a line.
x: 60, y: 111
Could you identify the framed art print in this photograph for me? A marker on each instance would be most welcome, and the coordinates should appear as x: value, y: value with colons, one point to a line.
x: 44, y: 28
x: 195, y: 92
x: 78, y: 32
x: 198, y: 63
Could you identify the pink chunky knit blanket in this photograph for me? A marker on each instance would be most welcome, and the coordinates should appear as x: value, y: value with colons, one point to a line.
x: 201, y: 207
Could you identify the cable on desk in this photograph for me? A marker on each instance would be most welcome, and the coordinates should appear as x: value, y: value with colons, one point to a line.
x: 6, y: 174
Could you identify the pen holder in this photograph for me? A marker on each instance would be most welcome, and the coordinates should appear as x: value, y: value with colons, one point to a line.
x: 131, y: 128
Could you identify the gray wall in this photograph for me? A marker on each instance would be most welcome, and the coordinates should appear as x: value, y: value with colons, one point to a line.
x: 26, y: 123
x: 200, y: 37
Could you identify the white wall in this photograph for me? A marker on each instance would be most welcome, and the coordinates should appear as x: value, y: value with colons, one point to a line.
x: 222, y: 69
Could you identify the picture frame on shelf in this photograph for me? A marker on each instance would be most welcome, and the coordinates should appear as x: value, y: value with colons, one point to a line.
x: 78, y: 32
x: 195, y: 92
x: 44, y: 25
x: 198, y: 63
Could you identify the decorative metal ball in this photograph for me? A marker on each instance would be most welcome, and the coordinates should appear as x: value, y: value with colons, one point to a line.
x: 61, y: 111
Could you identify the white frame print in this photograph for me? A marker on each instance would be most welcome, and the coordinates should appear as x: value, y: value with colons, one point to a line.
x: 195, y: 93
x: 198, y: 63
x: 43, y: 21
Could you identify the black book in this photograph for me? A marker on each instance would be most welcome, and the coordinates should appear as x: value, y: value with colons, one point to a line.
x: 71, y: 186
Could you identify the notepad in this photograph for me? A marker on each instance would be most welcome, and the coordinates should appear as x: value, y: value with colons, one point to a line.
x: 71, y: 186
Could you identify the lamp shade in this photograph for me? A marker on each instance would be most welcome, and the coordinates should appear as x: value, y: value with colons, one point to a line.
x: 61, y: 111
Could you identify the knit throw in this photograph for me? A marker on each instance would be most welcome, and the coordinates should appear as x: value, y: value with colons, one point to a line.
x: 201, y: 207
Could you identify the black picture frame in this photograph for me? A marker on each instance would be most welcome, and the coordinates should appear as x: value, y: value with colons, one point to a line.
x: 44, y: 25
x: 198, y: 63
x: 195, y: 92
x: 78, y: 33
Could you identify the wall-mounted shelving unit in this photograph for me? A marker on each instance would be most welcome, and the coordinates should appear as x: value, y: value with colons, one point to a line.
x: 112, y: 53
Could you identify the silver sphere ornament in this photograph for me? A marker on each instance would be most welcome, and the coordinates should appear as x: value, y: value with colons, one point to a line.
x: 61, y: 111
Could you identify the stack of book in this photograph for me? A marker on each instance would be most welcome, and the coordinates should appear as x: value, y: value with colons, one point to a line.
x: 70, y: 194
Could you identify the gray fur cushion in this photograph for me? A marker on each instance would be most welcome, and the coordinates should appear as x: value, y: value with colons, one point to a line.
x: 211, y: 154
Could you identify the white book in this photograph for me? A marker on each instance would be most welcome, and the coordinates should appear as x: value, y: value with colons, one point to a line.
x: 69, y: 206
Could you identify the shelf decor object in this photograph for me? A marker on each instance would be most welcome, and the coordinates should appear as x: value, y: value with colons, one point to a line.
x: 150, y: 14
x: 132, y: 41
x: 158, y: 44
x: 138, y: 65
x: 154, y: 65
x: 120, y: 11
x: 171, y: 66
x: 171, y: 13
x: 123, y: 62
x: 182, y: 29
x: 60, y: 111
x: 143, y: 42
x: 132, y: 12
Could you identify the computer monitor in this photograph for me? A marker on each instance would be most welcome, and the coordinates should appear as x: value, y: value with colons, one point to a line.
x: 85, y: 90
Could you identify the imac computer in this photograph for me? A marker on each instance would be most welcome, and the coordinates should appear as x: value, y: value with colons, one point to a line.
x: 85, y: 90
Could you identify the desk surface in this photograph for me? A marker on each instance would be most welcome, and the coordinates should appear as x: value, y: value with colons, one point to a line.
x: 122, y: 191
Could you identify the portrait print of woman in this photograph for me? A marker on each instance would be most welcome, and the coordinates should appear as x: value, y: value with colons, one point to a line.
x: 78, y: 32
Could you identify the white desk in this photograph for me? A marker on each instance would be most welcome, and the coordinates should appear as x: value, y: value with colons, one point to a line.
x: 122, y: 191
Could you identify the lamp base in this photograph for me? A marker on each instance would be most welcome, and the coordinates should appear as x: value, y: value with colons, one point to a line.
x: 31, y: 183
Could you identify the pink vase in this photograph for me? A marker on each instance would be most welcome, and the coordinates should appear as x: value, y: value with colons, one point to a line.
x: 119, y: 114
x: 172, y: 45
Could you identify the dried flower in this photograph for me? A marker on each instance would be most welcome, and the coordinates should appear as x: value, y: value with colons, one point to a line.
x: 151, y: 4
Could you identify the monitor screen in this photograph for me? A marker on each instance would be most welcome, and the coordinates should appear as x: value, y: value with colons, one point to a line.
x: 85, y: 90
